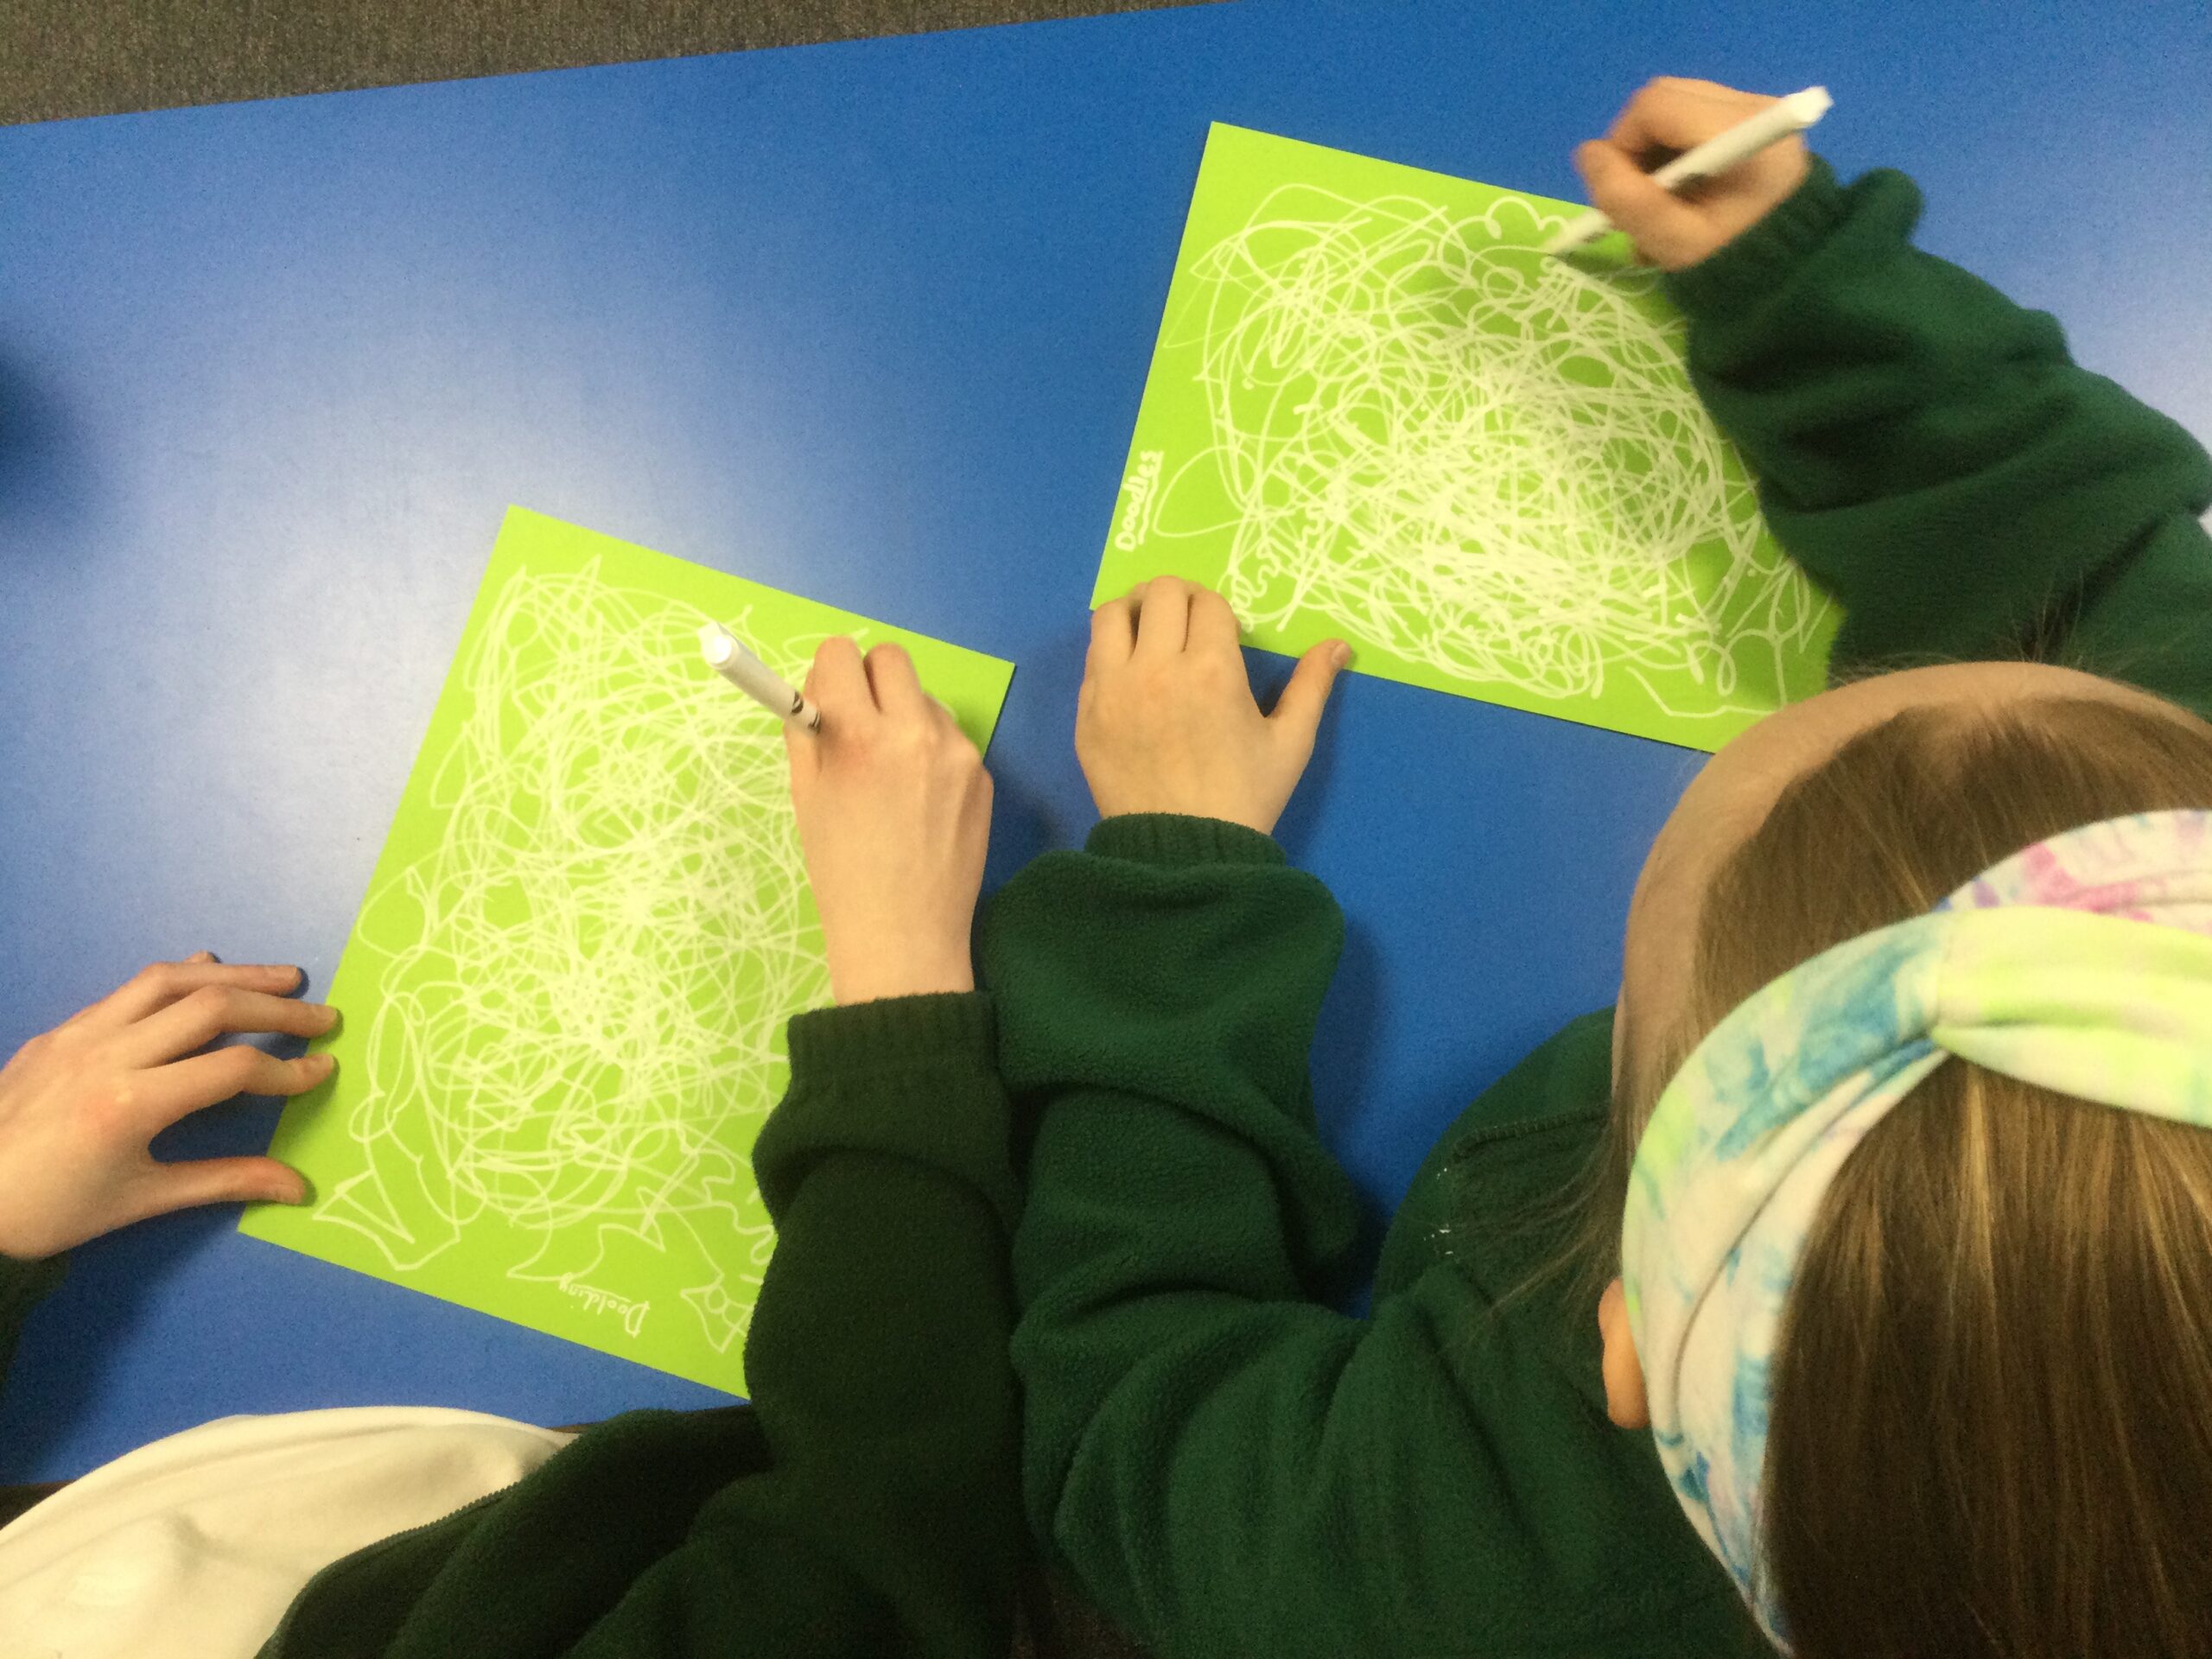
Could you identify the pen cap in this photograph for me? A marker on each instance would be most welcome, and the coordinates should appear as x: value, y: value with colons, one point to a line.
x: 717, y: 642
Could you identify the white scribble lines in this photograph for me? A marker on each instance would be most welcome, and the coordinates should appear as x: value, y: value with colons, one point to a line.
x: 585, y: 972
x: 1489, y: 460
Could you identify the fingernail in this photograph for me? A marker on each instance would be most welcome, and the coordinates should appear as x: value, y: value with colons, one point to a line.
x: 1341, y: 655
x: 320, y: 1064
x: 202, y: 956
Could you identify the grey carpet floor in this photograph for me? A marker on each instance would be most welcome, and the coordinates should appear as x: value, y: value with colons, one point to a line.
x: 94, y: 57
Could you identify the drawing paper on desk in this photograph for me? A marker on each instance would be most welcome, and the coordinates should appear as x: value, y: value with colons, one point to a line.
x: 565, y: 996
x: 1377, y: 409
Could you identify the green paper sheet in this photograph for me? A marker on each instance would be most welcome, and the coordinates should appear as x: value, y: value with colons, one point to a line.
x: 1377, y: 411
x: 565, y: 996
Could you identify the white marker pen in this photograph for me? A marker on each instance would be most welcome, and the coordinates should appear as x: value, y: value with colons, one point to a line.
x: 730, y: 659
x: 1716, y: 154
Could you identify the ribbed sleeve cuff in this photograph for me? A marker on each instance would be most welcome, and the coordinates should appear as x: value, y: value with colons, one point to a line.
x: 913, y: 1078
x: 893, y: 1030
x: 1759, y: 259
x: 1172, y: 838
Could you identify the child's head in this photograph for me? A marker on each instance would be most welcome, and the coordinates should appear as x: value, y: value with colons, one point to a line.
x: 1990, y: 1393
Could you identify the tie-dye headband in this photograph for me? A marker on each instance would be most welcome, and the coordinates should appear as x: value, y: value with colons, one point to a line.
x: 2083, y: 964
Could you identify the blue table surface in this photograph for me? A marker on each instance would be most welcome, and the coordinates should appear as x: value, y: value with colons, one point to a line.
x: 870, y: 322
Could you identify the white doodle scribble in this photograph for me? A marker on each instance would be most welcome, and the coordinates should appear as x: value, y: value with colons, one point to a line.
x: 1490, y: 460
x: 587, y: 969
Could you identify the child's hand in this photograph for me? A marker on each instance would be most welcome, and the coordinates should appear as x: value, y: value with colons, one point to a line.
x: 1167, y: 722
x: 894, y: 812
x: 78, y: 1104
x: 1665, y: 119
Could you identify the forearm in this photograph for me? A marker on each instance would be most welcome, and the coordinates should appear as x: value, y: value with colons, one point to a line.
x: 23, y: 1285
x: 1171, y: 976
x: 1173, y: 1374
x: 878, y: 1353
x: 1157, y: 996
x: 2148, y: 620
x: 893, y: 1506
x: 1927, y: 449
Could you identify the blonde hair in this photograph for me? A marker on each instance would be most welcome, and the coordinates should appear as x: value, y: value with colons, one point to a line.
x: 1991, y: 1398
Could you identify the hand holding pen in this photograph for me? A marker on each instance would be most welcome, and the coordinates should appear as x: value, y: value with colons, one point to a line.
x: 1737, y: 157
x: 894, y: 814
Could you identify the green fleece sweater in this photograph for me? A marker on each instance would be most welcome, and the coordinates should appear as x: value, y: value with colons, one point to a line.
x: 1229, y: 1466
x: 864, y: 1504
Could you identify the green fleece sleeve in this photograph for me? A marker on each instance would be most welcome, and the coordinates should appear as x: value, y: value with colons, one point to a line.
x: 1228, y: 1465
x: 1929, y: 453
x: 23, y: 1285
x: 878, y: 1353
x: 882, y: 1516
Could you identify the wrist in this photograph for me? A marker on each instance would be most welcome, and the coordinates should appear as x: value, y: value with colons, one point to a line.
x: 1195, y: 800
x: 880, y: 974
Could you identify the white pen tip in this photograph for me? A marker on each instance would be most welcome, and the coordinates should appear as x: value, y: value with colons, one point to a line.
x: 1583, y: 227
x: 715, y: 641
x: 1809, y: 106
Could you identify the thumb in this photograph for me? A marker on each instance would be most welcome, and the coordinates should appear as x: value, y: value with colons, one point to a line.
x: 1665, y: 230
x: 218, y: 1180
x: 1306, y: 694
